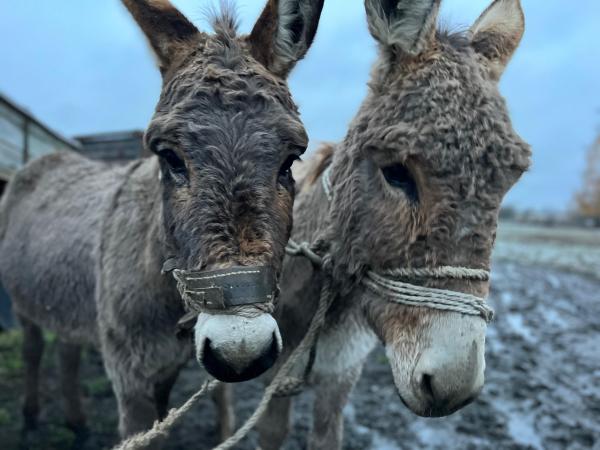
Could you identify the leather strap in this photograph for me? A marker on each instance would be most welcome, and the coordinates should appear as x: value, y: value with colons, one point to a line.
x: 226, y: 288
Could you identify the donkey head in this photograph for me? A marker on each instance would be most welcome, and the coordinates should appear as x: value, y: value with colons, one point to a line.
x: 226, y: 133
x: 428, y: 159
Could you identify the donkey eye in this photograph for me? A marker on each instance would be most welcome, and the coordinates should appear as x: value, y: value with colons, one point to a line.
x: 175, y: 163
x: 285, y: 171
x: 399, y: 177
x: 286, y: 167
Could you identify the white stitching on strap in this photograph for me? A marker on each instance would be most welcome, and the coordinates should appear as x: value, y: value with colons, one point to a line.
x: 211, y: 277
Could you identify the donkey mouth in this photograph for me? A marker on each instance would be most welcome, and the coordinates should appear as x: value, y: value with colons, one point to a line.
x: 217, y: 366
x: 429, y: 408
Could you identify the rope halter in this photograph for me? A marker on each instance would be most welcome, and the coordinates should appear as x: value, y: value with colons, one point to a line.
x: 388, y: 284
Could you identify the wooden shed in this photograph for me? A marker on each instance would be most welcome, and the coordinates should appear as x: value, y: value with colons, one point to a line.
x: 113, y: 147
x: 24, y: 137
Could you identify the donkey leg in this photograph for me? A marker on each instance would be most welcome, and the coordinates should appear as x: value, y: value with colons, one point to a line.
x: 275, y: 424
x: 223, y: 399
x: 331, y: 394
x: 162, y: 392
x: 32, y: 350
x: 70, y: 358
x: 137, y: 410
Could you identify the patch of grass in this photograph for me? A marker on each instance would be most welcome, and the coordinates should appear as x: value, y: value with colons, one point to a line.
x: 5, y: 417
x: 382, y: 359
x: 11, y: 363
x: 98, y: 386
x: 49, y: 337
x: 53, y: 437
x: 60, y: 437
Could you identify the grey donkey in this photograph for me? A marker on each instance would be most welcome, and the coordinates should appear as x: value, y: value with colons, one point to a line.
x: 417, y: 182
x: 83, y: 244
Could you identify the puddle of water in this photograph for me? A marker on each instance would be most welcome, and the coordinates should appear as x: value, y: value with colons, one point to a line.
x: 517, y: 324
x: 521, y: 426
x: 382, y: 443
x: 378, y: 441
x: 554, y: 318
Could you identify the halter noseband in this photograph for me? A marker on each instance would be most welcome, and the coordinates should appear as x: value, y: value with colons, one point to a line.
x: 388, y: 285
x: 224, y: 289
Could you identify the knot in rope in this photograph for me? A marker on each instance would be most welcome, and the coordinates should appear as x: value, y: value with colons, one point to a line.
x: 304, y: 249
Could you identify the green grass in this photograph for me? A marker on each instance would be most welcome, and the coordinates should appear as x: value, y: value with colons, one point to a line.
x: 98, y: 386
x: 5, y: 417
x: 11, y: 363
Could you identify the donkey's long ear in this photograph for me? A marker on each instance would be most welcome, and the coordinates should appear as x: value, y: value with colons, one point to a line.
x: 284, y: 32
x: 165, y: 27
x: 406, y: 24
x: 498, y: 32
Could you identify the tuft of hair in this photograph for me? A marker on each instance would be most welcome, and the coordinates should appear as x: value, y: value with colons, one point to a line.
x: 455, y: 35
x: 224, y: 19
x: 406, y: 24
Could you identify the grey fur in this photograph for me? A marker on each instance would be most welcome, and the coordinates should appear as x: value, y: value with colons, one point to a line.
x: 82, y: 244
x: 439, y: 114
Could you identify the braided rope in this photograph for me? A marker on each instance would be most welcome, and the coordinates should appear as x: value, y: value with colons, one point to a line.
x: 161, y: 429
x: 282, y: 379
x: 440, y: 272
x: 396, y: 291
x: 420, y: 296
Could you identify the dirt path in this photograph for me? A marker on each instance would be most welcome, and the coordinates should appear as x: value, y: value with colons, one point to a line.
x: 542, y: 389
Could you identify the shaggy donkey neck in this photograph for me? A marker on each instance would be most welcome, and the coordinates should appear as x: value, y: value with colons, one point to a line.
x: 140, y: 194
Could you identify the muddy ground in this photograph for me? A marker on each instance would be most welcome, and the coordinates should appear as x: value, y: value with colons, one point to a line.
x: 542, y: 389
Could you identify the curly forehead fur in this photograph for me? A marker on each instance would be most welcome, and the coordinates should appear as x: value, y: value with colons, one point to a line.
x: 221, y: 64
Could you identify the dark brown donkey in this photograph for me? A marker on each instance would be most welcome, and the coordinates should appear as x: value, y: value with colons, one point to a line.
x: 82, y: 244
x: 417, y: 183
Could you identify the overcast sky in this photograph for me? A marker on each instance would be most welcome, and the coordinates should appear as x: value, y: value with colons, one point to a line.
x: 82, y: 66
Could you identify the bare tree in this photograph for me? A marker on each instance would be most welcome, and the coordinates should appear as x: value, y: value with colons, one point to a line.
x: 588, y: 199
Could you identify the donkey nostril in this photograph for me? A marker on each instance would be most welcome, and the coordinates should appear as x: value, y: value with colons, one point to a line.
x: 224, y: 368
x: 427, y: 385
